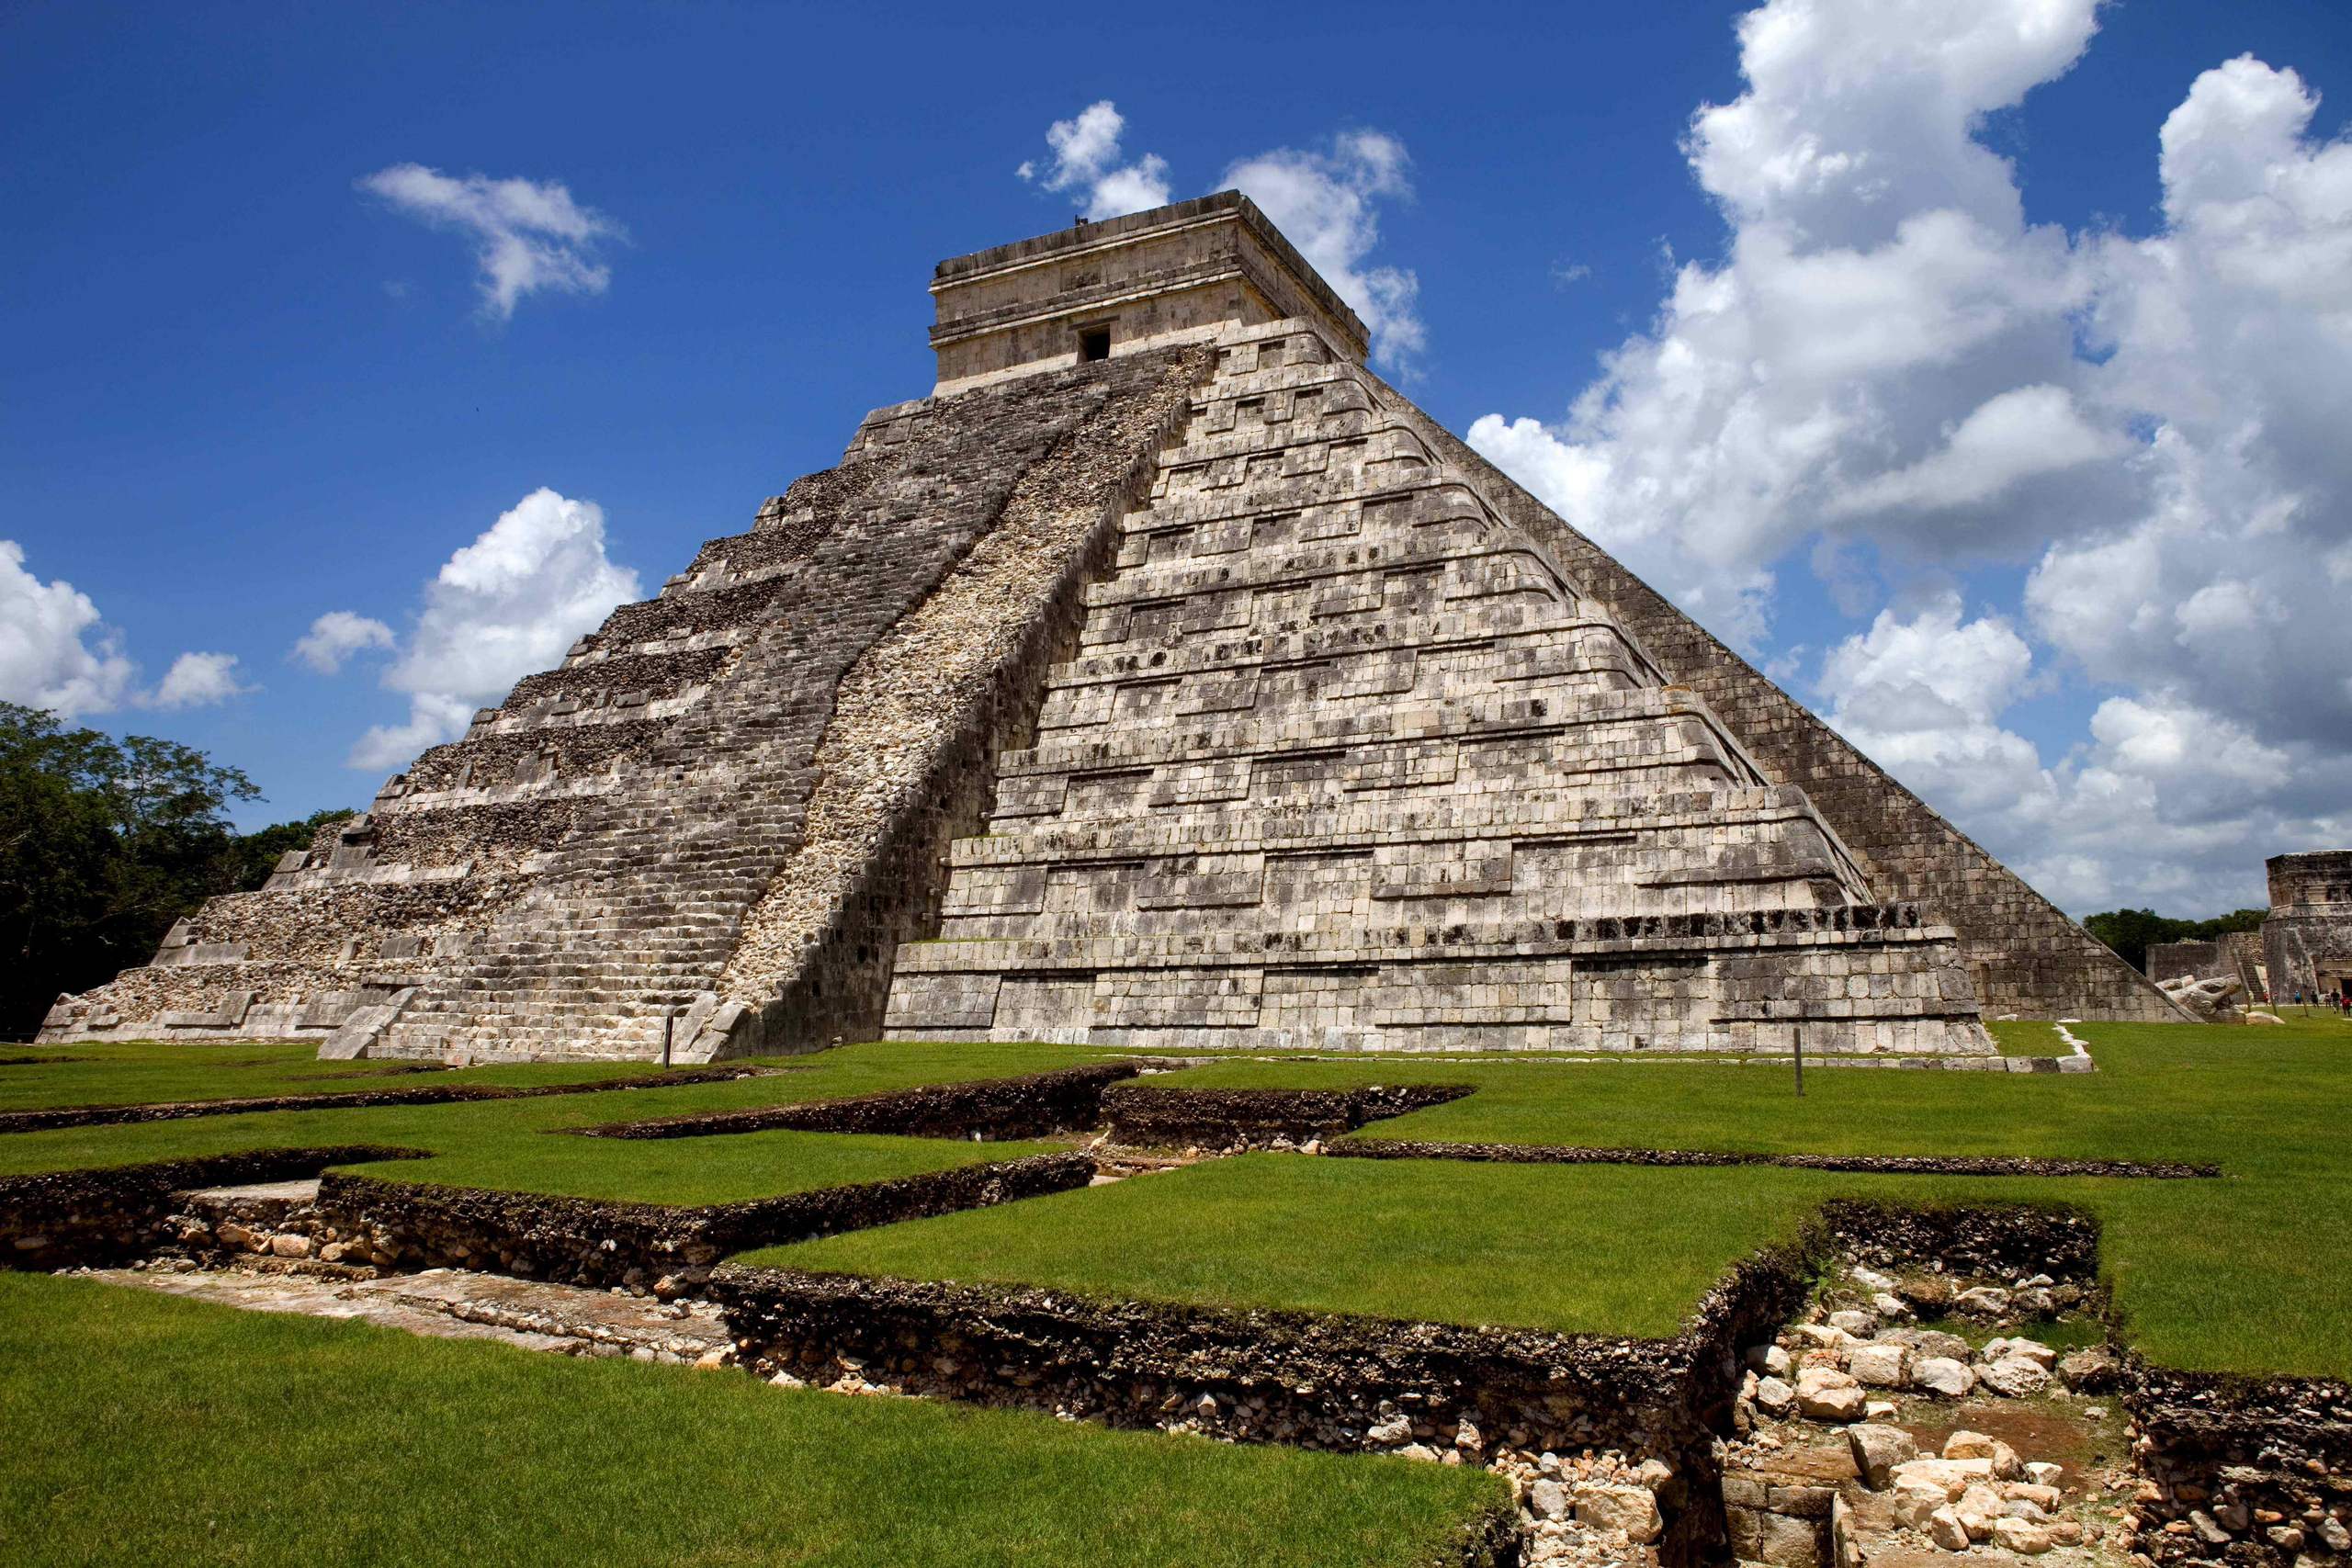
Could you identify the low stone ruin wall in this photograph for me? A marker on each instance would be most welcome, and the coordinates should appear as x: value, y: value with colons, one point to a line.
x: 1304, y: 1379
x: 2006, y: 1241
x: 1882, y: 1165
x: 587, y: 1241
x: 1525, y: 1401
x: 354, y: 1100
x: 1033, y: 1105
x: 65, y: 1219
x: 1259, y: 1118
x: 2258, y: 1471
x: 2252, y: 1473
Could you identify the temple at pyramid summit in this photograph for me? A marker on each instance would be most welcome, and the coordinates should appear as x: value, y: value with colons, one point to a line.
x: 1162, y: 677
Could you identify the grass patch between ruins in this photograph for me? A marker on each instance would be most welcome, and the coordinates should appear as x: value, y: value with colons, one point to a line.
x: 505, y: 1144
x: 147, y: 1429
x: 2020, y: 1038
x: 2243, y: 1273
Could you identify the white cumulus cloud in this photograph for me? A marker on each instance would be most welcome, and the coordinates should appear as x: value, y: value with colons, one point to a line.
x: 2017, y: 434
x: 1087, y: 158
x: 197, y: 680
x: 54, y: 653
x: 57, y: 653
x: 335, y: 636
x: 508, y: 605
x: 1327, y: 204
x: 1887, y: 364
x: 1871, y: 354
x: 528, y: 234
x: 2159, y: 802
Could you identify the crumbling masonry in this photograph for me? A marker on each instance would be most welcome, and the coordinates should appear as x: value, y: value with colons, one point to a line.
x: 1163, y: 677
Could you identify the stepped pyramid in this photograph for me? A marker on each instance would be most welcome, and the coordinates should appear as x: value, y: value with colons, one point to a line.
x: 1164, y: 676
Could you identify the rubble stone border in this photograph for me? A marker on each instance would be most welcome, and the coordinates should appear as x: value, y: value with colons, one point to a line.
x: 1880, y: 1165
x: 1032, y: 1105
x: 101, y: 1215
x: 1251, y: 1118
x: 354, y: 1100
x: 588, y: 1241
x: 2257, y: 1471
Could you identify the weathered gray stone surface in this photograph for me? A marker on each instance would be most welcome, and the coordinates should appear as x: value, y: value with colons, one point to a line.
x: 1346, y: 760
x: 571, y: 1320
x: 2307, y: 940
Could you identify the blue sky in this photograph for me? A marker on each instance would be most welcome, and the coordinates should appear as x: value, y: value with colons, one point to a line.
x: 243, y: 390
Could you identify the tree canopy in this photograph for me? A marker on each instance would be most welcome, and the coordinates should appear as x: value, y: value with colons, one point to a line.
x: 104, y: 842
x: 2133, y: 931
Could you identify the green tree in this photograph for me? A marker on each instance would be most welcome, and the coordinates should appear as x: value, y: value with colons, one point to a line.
x: 103, y: 845
x: 2133, y: 931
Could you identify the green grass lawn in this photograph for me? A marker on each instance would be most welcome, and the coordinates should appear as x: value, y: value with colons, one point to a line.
x: 505, y: 1143
x: 2243, y: 1273
x: 143, y: 1072
x: 2023, y: 1039
x: 147, y: 1429
x: 2241, y: 1097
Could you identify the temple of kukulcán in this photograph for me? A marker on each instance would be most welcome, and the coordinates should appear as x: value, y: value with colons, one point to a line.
x: 1163, y: 677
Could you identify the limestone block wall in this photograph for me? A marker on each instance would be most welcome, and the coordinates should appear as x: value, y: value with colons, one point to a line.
x: 2173, y: 960
x: 1180, y: 273
x: 2235, y: 955
x: 2023, y: 955
x: 1344, y: 758
x: 920, y: 721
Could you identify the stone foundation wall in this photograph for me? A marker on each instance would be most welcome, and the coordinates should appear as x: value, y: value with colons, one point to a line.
x: 1877, y: 1165
x: 2005, y: 1241
x: 1310, y: 1379
x: 1034, y: 1105
x: 2256, y: 1472
x: 67, y: 1219
x: 1259, y: 1118
x: 587, y: 1242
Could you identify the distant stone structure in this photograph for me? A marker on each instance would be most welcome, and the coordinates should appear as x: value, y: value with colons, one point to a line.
x: 1163, y: 676
x: 2235, y: 955
x: 2307, y: 940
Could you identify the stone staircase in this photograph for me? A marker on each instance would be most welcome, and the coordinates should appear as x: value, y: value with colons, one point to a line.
x: 1346, y: 760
